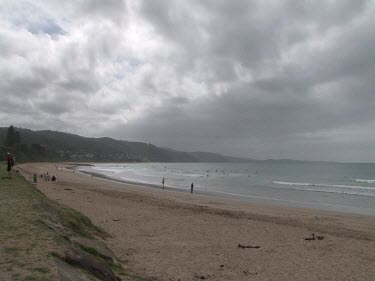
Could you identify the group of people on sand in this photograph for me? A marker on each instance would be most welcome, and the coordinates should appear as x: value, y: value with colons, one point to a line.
x: 191, y: 186
x: 10, y: 159
x: 47, y: 177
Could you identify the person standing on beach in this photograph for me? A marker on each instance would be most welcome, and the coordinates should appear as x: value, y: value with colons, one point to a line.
x: 192, y: 188
x: 162, y: 181
x: 10, y: 164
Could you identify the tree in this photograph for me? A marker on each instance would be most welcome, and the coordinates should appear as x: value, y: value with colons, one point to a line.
x: 24, y: 148
x: 17, y: 137
x: 10, y: 137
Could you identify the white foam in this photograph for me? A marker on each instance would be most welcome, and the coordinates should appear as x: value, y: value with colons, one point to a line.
x: 278, y: 199
x: 336, y: 188
x: 293, y: 183
x: 366, y: 181
x: 326, y: 185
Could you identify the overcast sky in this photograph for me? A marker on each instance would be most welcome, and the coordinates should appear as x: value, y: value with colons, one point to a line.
x: 260, y: 79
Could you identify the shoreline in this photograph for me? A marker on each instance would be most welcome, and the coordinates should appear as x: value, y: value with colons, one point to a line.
x: 259, y: 200
x: 229, y: 202
x: 172, y: 235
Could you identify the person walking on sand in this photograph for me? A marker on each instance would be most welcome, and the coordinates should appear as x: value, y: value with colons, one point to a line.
x: 162, y: 181
x: 192, y: 188
x: 10, y: 164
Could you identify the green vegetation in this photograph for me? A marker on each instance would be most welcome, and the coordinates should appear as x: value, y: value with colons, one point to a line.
x: 79, y: 224
x: 11, y: 250
x: 36, y: 232
x: 24, y: 243
x: 36, y: 278
x: 91, y: 250
x: 42, y: 270
x: 118, y: 269
x: 28, y: 145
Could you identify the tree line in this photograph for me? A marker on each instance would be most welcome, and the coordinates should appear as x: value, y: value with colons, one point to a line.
x: 24, y: 152
x: 12, y: 137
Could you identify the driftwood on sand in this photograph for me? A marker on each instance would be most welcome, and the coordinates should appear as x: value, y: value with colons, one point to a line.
x: 248, y: 247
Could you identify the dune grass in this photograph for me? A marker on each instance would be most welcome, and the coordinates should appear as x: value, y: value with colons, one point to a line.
x: 28, y: 245
x: 24, y: 242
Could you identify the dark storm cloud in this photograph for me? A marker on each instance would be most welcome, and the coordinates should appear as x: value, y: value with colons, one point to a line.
x: 264, y: 79
x: 329, y: 88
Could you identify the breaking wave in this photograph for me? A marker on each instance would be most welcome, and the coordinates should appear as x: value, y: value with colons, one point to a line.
x: 331, y: 188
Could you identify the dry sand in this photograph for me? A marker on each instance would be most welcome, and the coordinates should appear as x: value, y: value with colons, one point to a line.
x: 168, y: 235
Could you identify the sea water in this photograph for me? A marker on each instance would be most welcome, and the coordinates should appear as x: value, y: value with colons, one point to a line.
x: 326, y: 186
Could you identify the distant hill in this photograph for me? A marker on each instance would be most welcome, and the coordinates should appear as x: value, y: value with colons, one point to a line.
x: 57, y: 146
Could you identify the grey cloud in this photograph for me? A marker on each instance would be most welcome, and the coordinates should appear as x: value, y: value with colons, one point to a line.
x: 82, y: 81
x: 170, y: 18
x: 20, y: 87
x: 324, y: 14
x: 351, y: 55
x: 114, y: 10
x: 53, y: 107
x: 287, y: 79
x: 259, y: 119
x: 270, y: 123
x: 178, y: 101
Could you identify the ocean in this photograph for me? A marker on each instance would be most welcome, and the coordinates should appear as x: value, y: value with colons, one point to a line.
x: 325, y: 186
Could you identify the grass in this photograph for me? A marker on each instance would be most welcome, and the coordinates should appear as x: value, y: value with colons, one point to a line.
x: 116, y: 268
x: 43, y: 270
x: 24, y: 244
x: 28, y: 246
x: 30, y: 278
x: 36, y: 278
x: 80, y: 224
x: 11, y: 250
x: 91, y: 251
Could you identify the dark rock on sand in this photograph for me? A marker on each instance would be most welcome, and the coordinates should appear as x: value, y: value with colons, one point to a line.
x: 92, y: 264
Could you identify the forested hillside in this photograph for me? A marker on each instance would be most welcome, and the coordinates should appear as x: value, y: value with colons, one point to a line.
x: 28, y: 145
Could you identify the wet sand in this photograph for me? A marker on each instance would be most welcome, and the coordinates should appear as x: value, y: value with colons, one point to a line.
x: 168, y: 235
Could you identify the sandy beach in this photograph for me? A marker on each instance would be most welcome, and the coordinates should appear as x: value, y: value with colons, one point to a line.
x: 167, y: 235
